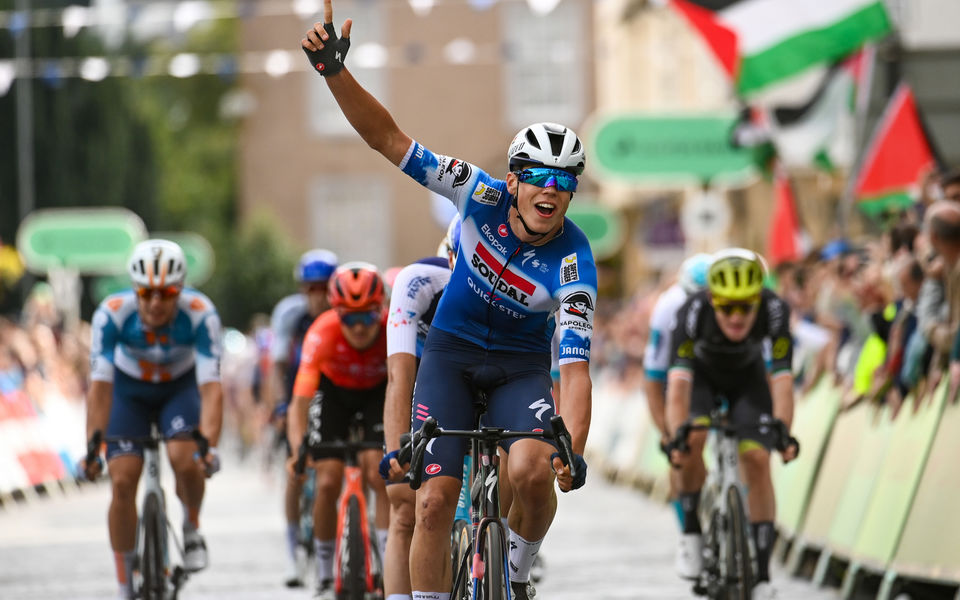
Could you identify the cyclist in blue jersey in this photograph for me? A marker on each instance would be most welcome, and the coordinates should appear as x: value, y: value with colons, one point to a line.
x: 155, y: 356
x: 523, y: 270
x: 289, y: 322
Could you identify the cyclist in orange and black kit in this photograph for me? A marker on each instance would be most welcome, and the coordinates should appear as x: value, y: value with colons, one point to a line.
x: 343, y: 371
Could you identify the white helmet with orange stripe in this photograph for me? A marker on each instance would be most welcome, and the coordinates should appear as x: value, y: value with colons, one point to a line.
x: 157, y: 263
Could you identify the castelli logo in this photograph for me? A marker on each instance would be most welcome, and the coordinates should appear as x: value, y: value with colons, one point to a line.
x: 320, y: 66
x: 538, y: 430
x: 502, y: 230
x: 432, y: 469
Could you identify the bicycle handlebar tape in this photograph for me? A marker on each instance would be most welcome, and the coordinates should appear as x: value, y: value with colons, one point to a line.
x: 93, y: 446
x: 203, y: 445
x: 564, y: 443
x: 421, y: 438
x: 329, y: 60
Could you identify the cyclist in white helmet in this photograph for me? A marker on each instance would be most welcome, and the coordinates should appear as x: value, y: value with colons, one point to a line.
x: 523, y: 271
x: 416, y: 293
x: 155, y: 355
x: 691, y: 278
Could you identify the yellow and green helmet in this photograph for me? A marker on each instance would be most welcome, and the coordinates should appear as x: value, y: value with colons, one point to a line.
x: 736, y: 274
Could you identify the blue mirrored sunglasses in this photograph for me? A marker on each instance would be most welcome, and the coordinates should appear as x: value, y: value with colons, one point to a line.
x: 365, y: 318
x: 545, y: 177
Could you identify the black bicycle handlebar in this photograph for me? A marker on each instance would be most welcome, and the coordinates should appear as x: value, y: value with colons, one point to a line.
x: 430, y: 429
x: 783, y: 442
x: 93, y: 446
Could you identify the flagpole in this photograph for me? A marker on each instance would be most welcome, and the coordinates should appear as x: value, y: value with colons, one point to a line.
x: 864, y: 95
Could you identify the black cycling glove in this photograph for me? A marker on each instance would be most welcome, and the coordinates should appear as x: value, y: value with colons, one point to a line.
x: 329, y: 60
x: 581, y: 466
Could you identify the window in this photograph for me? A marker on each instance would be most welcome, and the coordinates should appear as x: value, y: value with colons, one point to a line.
x: 350, y: 214
x: 326, y: 118
x: 545, y: 73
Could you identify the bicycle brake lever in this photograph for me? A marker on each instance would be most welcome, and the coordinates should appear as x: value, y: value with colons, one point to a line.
x: 564, y: 443
x: 406, y: 448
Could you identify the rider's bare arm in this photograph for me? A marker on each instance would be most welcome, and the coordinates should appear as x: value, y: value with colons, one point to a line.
x: 679, y: 388
x: 99, y: 399
x: 367, y: 116
x: 576, y: 389
x: 781, y: 388
x: 401, y: 373
x: 297, y: 421
x: 211, y: 411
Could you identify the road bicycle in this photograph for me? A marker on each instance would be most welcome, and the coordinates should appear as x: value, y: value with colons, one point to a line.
x: 728, y: 571
x: 481, y: 569
x: 155, y: 575
x: 358, y: 566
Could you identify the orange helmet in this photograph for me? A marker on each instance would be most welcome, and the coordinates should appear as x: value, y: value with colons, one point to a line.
x: 356, y: 286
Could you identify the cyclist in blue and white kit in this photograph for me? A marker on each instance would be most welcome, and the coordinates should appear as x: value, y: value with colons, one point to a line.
x: 289, y: 322
x: 155, y: 356
x: 413, y: 303
x: 656, y: 357
x: 523, y: 270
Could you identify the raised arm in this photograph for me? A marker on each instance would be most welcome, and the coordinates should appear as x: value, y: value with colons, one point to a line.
x: 368, y: 117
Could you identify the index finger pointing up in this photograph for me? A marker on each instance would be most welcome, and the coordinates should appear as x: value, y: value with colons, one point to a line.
x: 328, y: 11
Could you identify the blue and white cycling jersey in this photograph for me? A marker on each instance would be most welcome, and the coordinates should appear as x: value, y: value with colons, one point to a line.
x: 120, y: 340
x: 415, y: 292
x: 533, y: 283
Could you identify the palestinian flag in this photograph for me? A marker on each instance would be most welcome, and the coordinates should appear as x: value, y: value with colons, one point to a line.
x: 896, y: 159
x: 820, y: 132
x: 762, y: 42
x: 785, y: 239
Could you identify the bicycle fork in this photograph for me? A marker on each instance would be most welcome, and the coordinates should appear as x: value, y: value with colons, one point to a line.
x: 353, y: 487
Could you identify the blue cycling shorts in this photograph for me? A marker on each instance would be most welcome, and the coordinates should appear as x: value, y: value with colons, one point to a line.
x: 173, y: 405
x: 519, y: 392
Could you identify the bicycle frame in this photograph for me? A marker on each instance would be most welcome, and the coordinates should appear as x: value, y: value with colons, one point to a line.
x: 352, y: 488
x: 485, y: 490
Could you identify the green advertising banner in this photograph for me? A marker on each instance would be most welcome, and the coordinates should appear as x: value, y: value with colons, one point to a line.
x: 198, y: 251
x: 94, y: 241
x: 668, y: 149
x: 602, y: 226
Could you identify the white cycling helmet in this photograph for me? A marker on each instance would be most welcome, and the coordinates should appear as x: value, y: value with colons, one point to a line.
x: 693, y: 273
x: 157, y: 263
x: 451, y: 241
x: 547, y: 144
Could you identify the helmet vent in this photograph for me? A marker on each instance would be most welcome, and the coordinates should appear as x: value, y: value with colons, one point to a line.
x: 532, y: 139
x: 556, y: 143
x: 143, y: 267
x: 736, y: 278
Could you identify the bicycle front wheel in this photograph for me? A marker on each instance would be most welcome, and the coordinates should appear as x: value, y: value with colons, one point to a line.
x: 739, y: 570
x: 461, y: 550
x: 353, y: 563
x: 152, y: 569
x: 494, y: 582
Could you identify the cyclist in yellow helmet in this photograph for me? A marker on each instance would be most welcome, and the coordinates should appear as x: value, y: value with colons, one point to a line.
x: 718, y: 351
